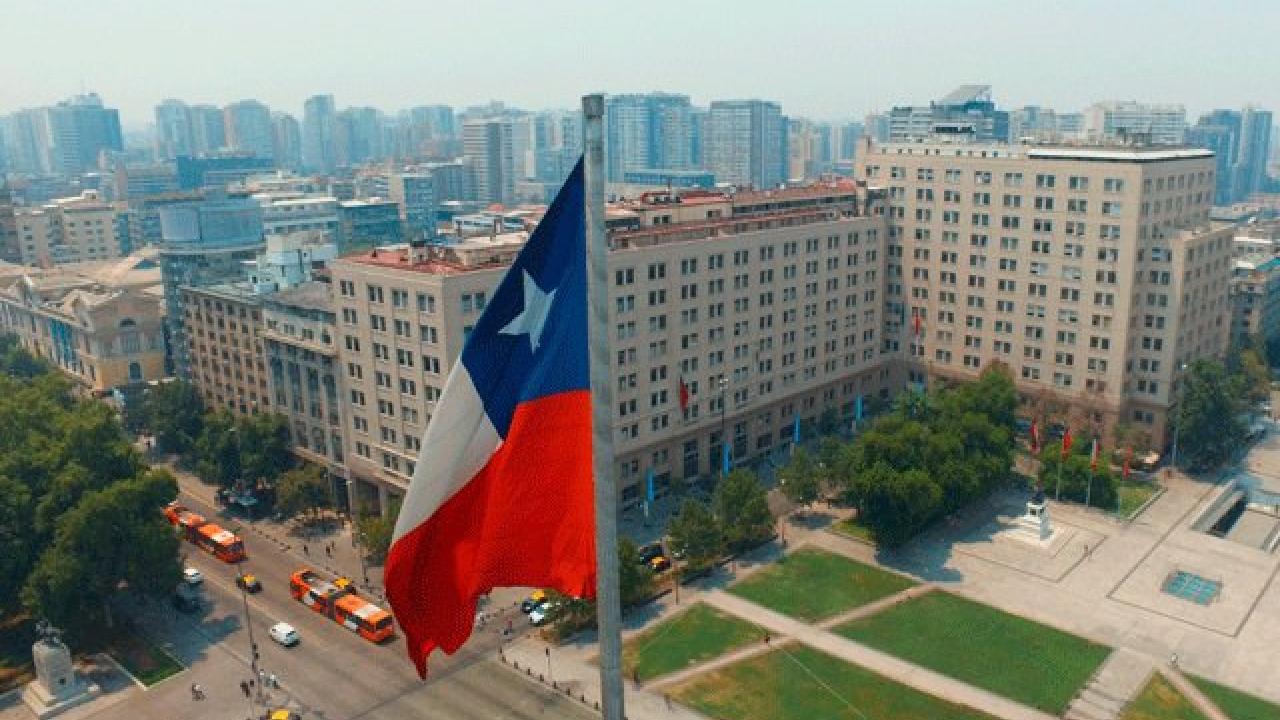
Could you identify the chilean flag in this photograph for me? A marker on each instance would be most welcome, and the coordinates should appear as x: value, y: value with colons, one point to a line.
x: 502, y: 494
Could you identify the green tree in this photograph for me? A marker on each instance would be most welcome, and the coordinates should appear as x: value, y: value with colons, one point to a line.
x: 1255, y: 375
x: 1207, y: 420
x: 635, y: 579
x: 112, y: 538
x: 801, y: 478
x: 376, y: 531
x: 696, y: 534
x: 742, y: 509
x: 895, y: 505
x: 1077, y: 476
x: 174, y: 413
x: 217, y: 450
x: 264, y: 446
x: 303, y: 490
x: 17, y: 540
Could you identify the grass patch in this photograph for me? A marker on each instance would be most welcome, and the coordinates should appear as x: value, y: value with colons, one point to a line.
x: 855, y: 530
x: 1237, y: 705
x: 697, y: 634
x: 800, y: 683
x: 1134, y: 495
x: 1008, y: 655
x: 17, y: 633
x: 146, y: 662
x: 813, y: 584
x: 1161, y: 701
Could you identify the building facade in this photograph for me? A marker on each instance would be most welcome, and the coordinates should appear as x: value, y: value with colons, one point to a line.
x: 223, y: 331
x: 1092, y: 273
x: 1255, y: 299
x: 746, y: 143
x: 68, y: 230
x: 1126, y: 121
x: 249, y: 129
x: 488, y: 146
x: 765, y: 306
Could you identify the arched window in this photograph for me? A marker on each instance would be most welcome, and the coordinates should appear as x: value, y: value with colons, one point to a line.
x: 128, y: 323
x: 135, y: 372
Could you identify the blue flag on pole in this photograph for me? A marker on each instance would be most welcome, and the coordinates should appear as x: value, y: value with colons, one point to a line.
x: 724, y: 457
x: 795, y: 430
x: 648, y: 486
x: 857, y: 409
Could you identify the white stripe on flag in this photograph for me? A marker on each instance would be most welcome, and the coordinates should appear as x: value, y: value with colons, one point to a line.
x: 458, y: 442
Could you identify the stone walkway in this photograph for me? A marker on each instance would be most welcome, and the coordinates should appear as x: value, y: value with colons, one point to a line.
x: 1192, y: 693
x: 1119, y: 680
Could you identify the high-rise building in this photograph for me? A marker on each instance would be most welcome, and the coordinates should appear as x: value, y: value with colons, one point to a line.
x: 358, y: 136
x: 647, y: 132
x: 487, y: 145
x: 27, y: 138
x: 364, y: 224
x: 1130, y: 121
x: 249, y: 129
x: 1255, y: 299
x: 287, y: 141
x: 223, y: 344
x: 746, y: 143
x: 1091, y: 272
x: 204, y: 242
x: 414, y: 193
x: 967, y: 114
x: 1219, y: 131
x: 1037, y: 124
x: 1241, y: 140
x: 1250, y: 173
x: 811, y: 147
x: 319, y: 125
x: 10, y: 246
x: 79, y: 130
x: 209, y: 130
x: 761, y: 321
x: 175, y: 133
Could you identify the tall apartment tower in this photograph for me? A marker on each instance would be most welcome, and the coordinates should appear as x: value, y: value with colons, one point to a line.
x: 175, y: 134
x: 1250, y: 173
x: 763, y: 314
x: 746, y: 143
x: 79, y: 130
x: 319, y: 118
x: 488, y: 145
x: 10, y: 246
x: 1092, y: 273
x: 209, y: 128
x: 647, y: 132
x: 1133, y: 121
x: 286, y: 141
x: 249, y: 129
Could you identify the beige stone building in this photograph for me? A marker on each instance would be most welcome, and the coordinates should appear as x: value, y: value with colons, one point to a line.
x: 68, y: 230
x: 224, y: 335
x: 100, y: 323
x: 1093, y: 273
x: 766, y: 305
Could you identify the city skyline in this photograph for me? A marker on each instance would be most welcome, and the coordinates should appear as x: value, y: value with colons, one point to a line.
x: 237, y: 56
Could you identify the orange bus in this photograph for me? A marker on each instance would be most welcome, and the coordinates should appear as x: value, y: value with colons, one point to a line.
x: 221, y: 543
x: 341, y: 604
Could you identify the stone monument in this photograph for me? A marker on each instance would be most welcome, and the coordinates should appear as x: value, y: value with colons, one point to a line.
x: 1034, y: 524
x: 57, y: 686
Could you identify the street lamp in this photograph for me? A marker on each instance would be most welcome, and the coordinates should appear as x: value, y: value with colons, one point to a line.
x: 1177, y: 419
x: 253, y: 645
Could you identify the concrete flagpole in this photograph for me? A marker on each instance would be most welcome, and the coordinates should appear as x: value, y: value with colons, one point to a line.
x: 608, y: 605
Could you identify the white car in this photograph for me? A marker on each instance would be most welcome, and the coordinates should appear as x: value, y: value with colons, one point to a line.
x: 544, y: 612
x: 192, y: 576
x: 283, y: 633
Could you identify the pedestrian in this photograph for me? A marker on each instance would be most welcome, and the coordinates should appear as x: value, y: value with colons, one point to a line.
x: 244, y: 688
x: 635, y: 675
x: 305, y: 551
x: 667, y: 699
x: 1086, y: 551
x: 195, y: 691
x: 275, y: 683
x: 1173, y: 661
x: 328, y: 551
x: 767, y: 638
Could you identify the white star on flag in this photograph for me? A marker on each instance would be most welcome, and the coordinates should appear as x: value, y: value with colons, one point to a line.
x: 537, y: 305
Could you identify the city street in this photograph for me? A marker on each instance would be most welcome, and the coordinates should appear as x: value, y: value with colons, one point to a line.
x: 333, y: 673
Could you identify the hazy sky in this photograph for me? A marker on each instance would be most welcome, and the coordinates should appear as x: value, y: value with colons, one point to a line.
x: 823, y: 59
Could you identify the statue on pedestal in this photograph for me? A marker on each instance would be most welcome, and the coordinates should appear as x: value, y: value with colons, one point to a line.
x: 57, y: 686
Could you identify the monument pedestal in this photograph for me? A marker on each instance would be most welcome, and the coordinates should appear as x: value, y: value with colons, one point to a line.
x: 1034, y: 525
x: 57, y: 686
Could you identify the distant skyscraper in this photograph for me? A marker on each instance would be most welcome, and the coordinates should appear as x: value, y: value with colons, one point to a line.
x: 79, y: 129
x: 747, y: 143
x: 319, y: 120
x: 1042, y: 124
x: 1241, y: 141
x: 174, y: 132
x: 487, y: 145
x: 1219, y: 131
x: 287, y: 149
x: 644, y: 132
x: 968, y: 113
x: 27, y: 138
x: 358, y: 136
x: 1129, y: 120
x: 1250, y: 174
x: 10, y: 249
x: 249, y: 129
x: 208, y: 129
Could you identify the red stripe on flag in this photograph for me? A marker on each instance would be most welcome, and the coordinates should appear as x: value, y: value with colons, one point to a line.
x: 526, y: 519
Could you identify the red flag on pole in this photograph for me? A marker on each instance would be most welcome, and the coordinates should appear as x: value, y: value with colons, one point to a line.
x: 1128, y: 456
x: 1035, y: 437
x: 684, y: 396
x: 1093, y: 455
x: 916, y: 321
x: 1066, y: 442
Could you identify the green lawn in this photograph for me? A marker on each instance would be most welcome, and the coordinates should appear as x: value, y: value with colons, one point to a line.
x: 146, y: 662
x: 1133, y: 495
x: 697, y: 634
x: 1161, y: 701
x: 1008, y: 655
x: 799, y: 683
x: 1236, y: 704
x: 813, y: 584
x: 852, y: 528
x: 17, y: 633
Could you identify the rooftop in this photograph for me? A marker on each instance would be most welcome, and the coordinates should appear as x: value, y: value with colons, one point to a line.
x: 310, y: 295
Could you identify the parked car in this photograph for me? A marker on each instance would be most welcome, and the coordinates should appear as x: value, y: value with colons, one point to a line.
x: 282, y: 714
x: 192, y: 576
x: 249, y: 582
x: 186, y: 598
x: 543, y: 613
x: 285, y: 634
x: 649, y: 552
